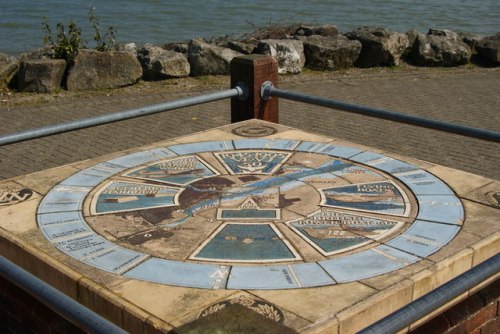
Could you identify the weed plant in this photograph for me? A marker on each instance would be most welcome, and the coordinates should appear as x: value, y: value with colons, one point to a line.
x: 64, y: 43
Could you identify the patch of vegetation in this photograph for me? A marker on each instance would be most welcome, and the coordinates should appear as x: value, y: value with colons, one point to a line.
x: 273, y: 30
x: 103, y: 43
x: 64, y: 44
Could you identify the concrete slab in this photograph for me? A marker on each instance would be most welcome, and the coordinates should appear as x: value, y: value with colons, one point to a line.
x: 304, y: 232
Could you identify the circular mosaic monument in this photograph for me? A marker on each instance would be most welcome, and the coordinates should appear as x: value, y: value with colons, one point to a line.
x: 251, y: 214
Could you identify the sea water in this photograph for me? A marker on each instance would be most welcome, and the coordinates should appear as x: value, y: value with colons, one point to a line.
x: 159, y: 22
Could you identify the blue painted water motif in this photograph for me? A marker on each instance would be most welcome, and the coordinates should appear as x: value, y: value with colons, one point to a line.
x: 261, y: 187
x: 246, y: 242
x: 330, y: 240
x: 127, y: 196
x: 381, y: 197
x: 327, y: 170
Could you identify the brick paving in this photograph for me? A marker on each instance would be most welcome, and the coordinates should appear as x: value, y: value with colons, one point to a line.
x: 469, y: 96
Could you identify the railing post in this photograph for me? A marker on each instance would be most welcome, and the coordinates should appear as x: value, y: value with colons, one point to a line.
x: 253, y: 71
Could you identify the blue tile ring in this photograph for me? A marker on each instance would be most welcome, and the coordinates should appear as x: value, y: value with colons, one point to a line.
x: 263, y: 214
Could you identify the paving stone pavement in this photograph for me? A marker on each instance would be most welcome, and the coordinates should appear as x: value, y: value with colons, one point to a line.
x: 469, y: 96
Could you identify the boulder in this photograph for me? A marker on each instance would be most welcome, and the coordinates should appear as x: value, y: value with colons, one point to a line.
x: 380, y: 46
x: 44, y: 52
x: 439, y: 48
x: 207, y: 59
x: 244, y: 48
x: 330, y: 53
x: 470, y: 39
x: 127, y: 47
x: 41, y: 75
x: 289, y: 53
x: 412, y: 36
x: 158, y: 63
x: 489, y: 48
x: 177, y: 47
x: 101, y: 70
x: 8, y: 69
x: 324, y: 30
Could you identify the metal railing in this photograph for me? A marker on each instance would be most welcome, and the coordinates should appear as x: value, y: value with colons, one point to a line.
x: 57, y: 301
x: 268, y: 90
x: 63, y: 305
x: 239, y: 91
x: 433, y: 300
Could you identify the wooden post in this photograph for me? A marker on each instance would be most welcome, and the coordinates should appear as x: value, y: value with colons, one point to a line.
x: 253, y: 71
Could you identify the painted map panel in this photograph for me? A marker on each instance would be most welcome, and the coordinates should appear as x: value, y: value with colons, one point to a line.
x: 119, y: 196
x: 179, y: 171
x: 246, y: 242
x: 252, y: 162
x: 333, y: 232
x: 380, y: 197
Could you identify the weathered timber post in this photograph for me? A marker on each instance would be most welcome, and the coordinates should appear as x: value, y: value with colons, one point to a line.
x: 253, y: 71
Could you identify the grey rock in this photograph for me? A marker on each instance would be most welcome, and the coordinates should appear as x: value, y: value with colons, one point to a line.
x: 101, y: 70
x: 412, y: 36
x: 209, y: 59
x: 470, y: 39
x: 440, y: 48
x: 323, y: 30
x: 8, y: 69
x: 244, y: 48
x: 489, y: 48
x: 127, y: 47
x: 289, y: 53
x: 159, y: 64
x: 177, y: 47
x: 44, y: 52
x: 41, y: 75
x: 381, y: 46
x: 330, y: 53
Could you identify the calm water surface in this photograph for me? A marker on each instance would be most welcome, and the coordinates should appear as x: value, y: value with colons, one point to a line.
x: 155, y: 21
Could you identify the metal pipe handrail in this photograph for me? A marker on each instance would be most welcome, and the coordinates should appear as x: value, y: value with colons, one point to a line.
x: 63, y: 305
x: 238, y: 91
x: 268, y: 90
x: 436, y: 298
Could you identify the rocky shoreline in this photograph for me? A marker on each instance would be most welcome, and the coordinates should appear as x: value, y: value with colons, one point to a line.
x: 321, y: 48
